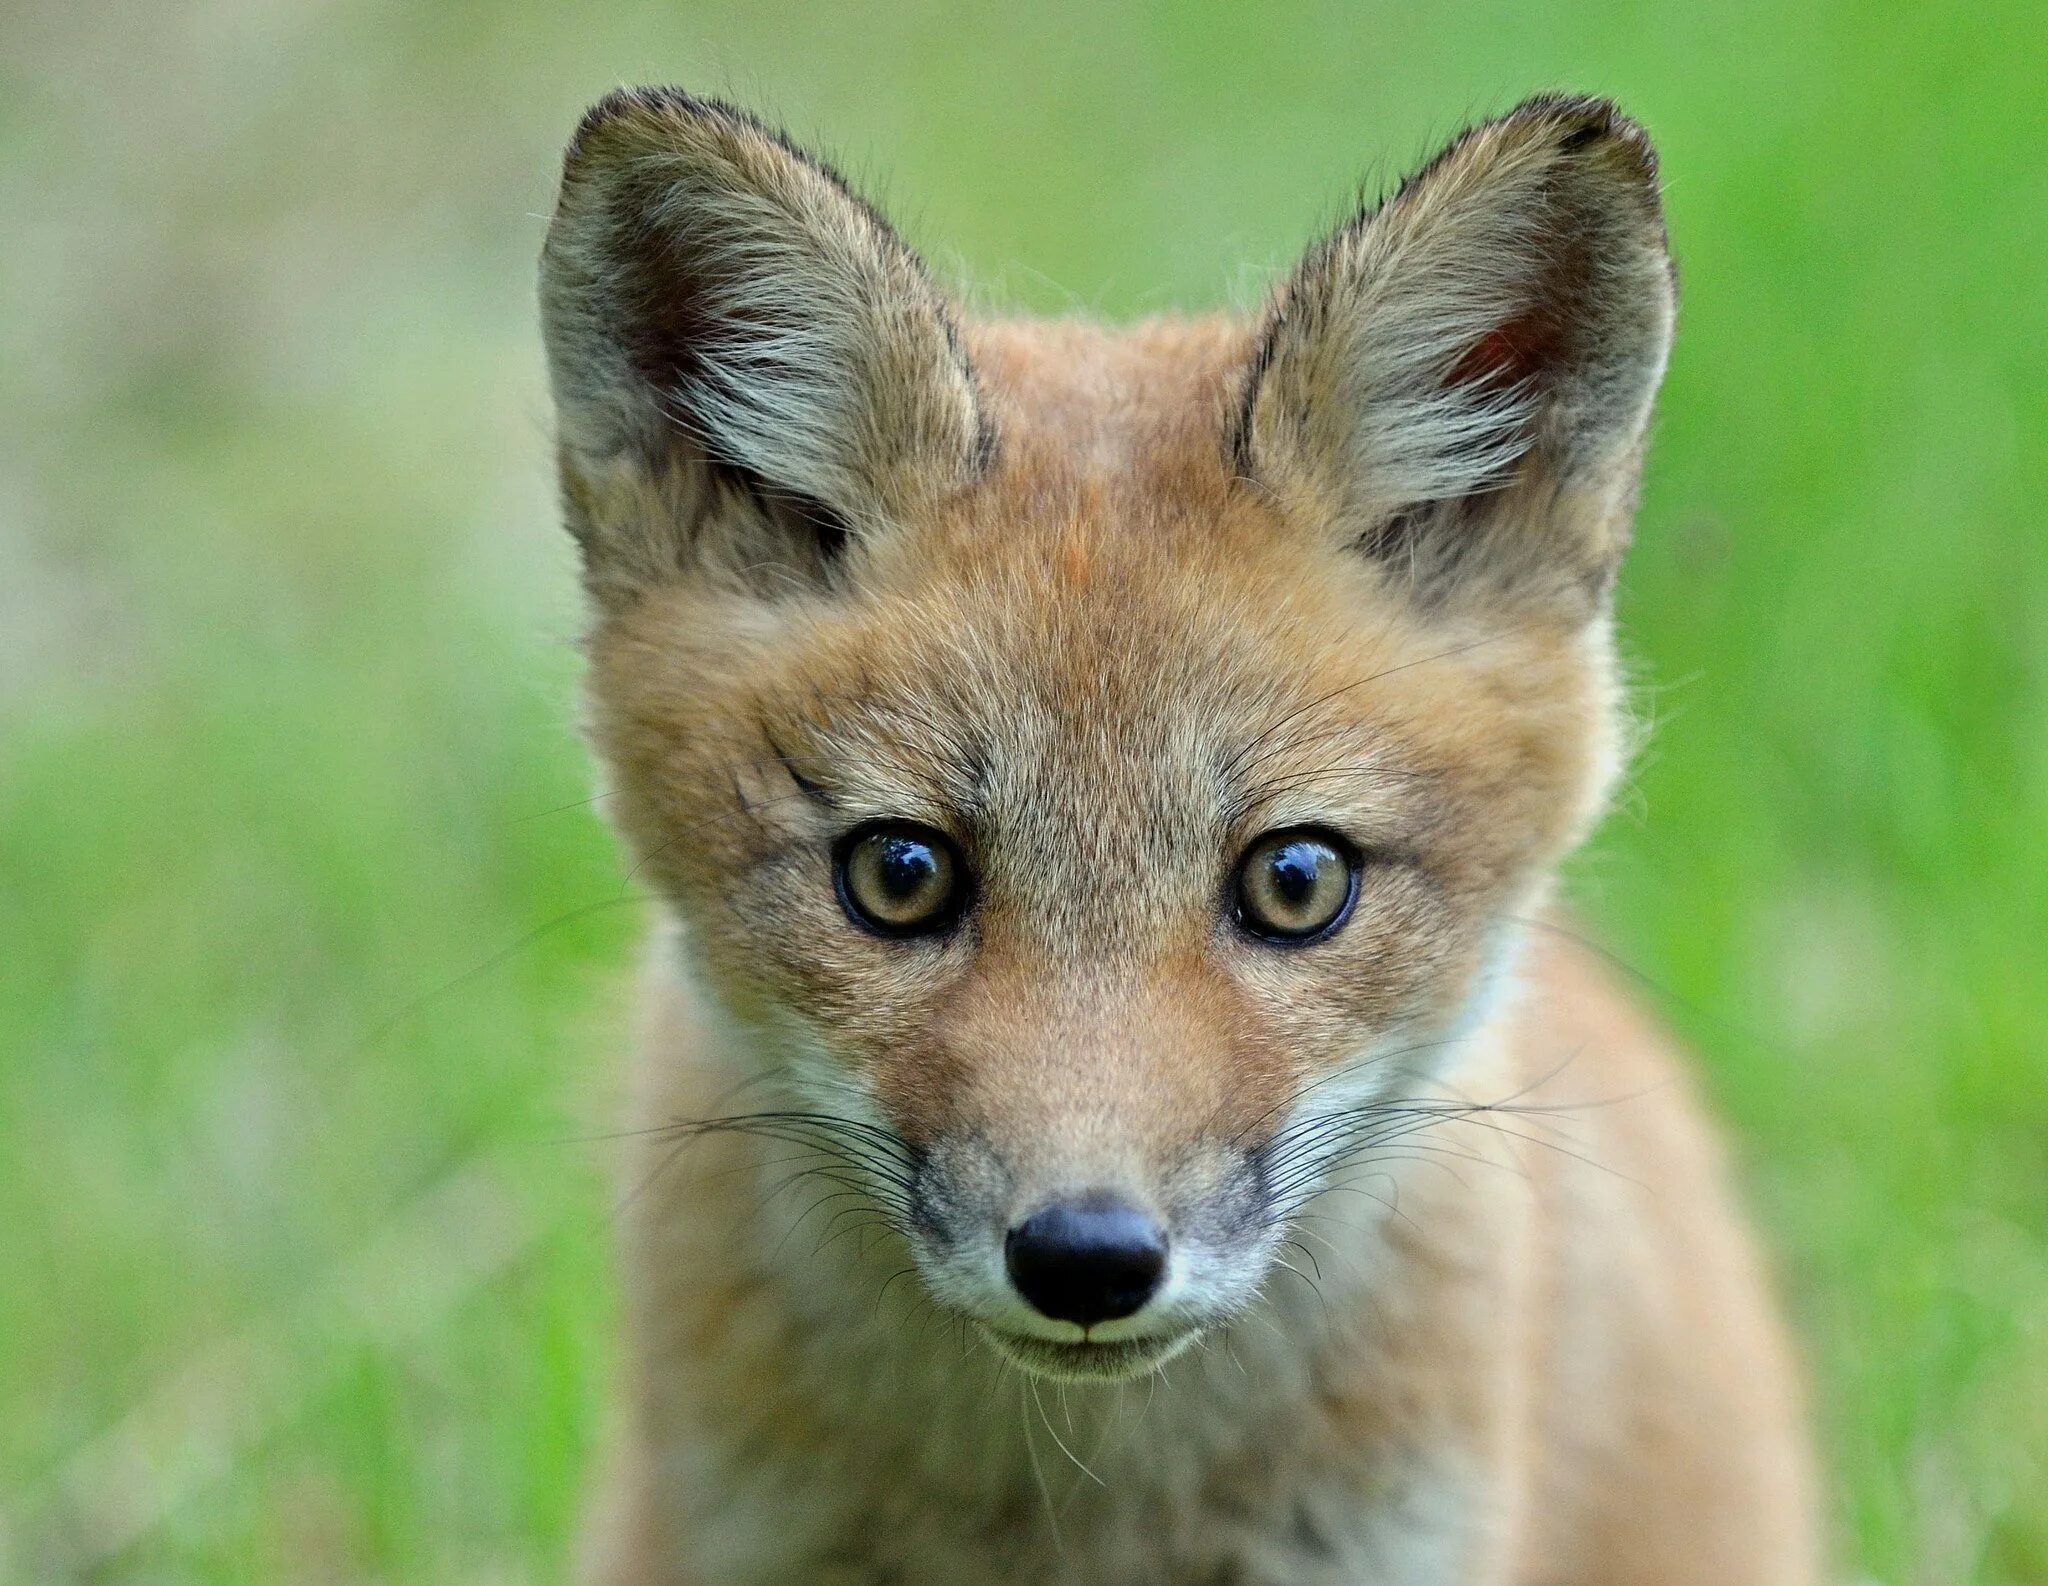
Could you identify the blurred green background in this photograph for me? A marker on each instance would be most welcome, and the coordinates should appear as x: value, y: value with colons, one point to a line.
x: 309, y: 980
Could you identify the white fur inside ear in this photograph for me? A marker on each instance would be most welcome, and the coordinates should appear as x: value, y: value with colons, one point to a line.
x: 1392, y: 338
x: 1510, y: 304
x: 789, y: 380
x: 710, y: 296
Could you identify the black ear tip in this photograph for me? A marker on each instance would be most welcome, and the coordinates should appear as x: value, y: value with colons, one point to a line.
x: 1580, y: 136
x: 1583, y: 124
x: 646, y: 110
x: 621, y: 104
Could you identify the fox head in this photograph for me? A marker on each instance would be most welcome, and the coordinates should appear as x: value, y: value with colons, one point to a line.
x: 1102, y: 773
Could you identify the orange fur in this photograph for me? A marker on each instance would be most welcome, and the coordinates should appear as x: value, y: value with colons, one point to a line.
x: 1525, y: 1340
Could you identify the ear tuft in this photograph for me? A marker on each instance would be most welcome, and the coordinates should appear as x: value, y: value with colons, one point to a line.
x: 1486, y: 341
x: 721, y: 311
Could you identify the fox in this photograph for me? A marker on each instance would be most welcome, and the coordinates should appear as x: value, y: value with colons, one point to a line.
x: 1116, y: 1100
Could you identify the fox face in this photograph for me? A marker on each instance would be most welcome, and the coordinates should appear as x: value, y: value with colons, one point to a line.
x: 1099, y: 774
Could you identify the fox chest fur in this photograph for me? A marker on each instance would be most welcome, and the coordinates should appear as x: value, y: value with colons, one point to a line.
x: 1114, y: 1106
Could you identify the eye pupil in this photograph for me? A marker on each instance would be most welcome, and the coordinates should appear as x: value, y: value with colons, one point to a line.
x: 905, y: 866
x: 1294, y: 873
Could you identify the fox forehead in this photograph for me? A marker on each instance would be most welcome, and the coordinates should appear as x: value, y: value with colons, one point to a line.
x: 1116, y: 732
x: 1105, y: 651
x: 1092, y: 585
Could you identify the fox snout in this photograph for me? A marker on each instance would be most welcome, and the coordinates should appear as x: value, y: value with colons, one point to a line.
x: 1087, y: 1190
x: 1090, y: 1280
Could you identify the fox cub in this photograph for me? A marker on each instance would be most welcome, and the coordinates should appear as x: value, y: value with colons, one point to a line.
x: 1112, y: 1108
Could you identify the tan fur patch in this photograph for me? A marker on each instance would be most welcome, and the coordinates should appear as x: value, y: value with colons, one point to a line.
x: 1097, y: 611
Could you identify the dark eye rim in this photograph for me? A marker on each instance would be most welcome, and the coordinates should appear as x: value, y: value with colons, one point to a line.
x: 1343, y: 847
x: 941, y: 919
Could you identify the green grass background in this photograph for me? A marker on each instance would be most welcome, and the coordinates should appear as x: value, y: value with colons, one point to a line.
x: 286, y: 683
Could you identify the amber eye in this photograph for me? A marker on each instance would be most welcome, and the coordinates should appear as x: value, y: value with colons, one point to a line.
x: 900, y: 880
x: 1295, y: 886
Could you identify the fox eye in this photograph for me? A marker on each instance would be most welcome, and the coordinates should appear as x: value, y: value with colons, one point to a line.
x: 1296, y: 886
x: 897, y: 879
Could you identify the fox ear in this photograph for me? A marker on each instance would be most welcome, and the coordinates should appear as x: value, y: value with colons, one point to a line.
x: 1458, y: 382
x: 749, y: 366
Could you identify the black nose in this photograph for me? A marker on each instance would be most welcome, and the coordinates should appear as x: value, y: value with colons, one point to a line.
x: 1087, y: 1261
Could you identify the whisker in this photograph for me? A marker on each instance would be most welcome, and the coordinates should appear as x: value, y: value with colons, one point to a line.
x: 476, y: 971
x: 595, y: 798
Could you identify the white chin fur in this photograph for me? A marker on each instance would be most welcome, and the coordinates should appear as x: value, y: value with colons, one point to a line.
x: 1114, y: 1361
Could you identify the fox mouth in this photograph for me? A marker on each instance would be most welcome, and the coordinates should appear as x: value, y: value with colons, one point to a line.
x: 1107, y: 1360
